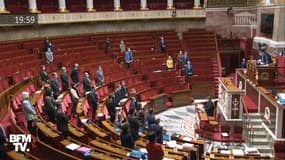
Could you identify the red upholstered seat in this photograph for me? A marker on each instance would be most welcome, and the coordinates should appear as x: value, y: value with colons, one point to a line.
x: 237, y: 134
x: 279, y: 150
x: 249, y: 104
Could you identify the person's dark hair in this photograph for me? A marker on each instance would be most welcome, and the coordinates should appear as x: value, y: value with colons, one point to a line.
x: 151, y: 136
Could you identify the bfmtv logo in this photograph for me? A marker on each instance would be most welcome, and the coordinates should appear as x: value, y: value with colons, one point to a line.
x: 20, y: 141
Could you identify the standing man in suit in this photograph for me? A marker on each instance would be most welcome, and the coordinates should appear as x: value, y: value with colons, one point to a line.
x: 134, y: 124
x: 94, y: 102
x: 162, y: 45
x: 54, y: 84
x: 111, y: 107
x: 128, y: 58
x: 43, y: 74
x: 243, y: 63
x: 188, y: 69
x: 61, y: 121
x: 74, y: 97
x: 75, y: 74
x: 265, y: 58
x: 49, y: 106
x: 122, y: 47
x: 29, y: 110
x: 64, y: 79
x: 100, y: 76
x: 49, y: 56
x: 185, y: 58
x: 86, y: 82
x: 157, y: 129
x: 107, y: 45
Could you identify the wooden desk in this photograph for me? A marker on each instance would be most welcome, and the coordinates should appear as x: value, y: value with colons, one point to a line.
x: 203, y: 116
x: 46, y: 130
x: 109, y: 147
x: 20, y: 156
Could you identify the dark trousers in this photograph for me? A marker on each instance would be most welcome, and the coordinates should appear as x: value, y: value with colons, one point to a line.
x: 75, y: 102
x: 112, y: 118
x: 128, y: 65
x: 30, y: 125
x: 51, y: 116
x: 94, y: 109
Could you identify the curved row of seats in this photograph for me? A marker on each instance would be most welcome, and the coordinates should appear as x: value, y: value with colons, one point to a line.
x: 141, y: 81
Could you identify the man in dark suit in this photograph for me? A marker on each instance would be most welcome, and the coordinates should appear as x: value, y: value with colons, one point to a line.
x: 54, y: 84
x: 124, y: 91
x: 107, y: 45
x: 157, y: 129
x: 126, y: 137
x: 49, y: 106
x: 43, y: 74
x: 94, y: 102
x: 128, y: 58
x: 74, y: 97
x: 162, y: 45
x: 243, y: 63
x: 264, y: 56
x: 61, y: 121
x: 188, y: 69
x: 111, y: 107
x: 75, y: 74
x: 134, y: 124
x: 209, y: 107
x: 86, y: 82
x: 64, y: 79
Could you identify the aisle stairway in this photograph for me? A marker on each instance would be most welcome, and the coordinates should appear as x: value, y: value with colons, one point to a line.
x: 202, y: 47
x: 260, y: 136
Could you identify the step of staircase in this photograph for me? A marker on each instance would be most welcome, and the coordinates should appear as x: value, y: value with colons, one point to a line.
x: 260, y: 140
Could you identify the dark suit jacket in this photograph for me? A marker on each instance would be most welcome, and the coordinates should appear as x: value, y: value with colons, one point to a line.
x: 134, y: 126
x: 74, y: 76
x: 158, y: 131
x: 64, y: 81
x: 111, y: 106
x: 61, y: 121
x: 127, y: 139
x: 86, y: 84
x: 54, y: 85
x: 44, y: 76
x: 266, y: 58
x: 49, y: 104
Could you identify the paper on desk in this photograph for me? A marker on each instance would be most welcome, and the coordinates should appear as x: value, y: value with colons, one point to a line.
x: 251, y: 149
x: 238, y: 152
x: 72, y: 146
x: 225, y: 152
x: 171, y: 144
x: 84, y: 121
x: 187, y: 139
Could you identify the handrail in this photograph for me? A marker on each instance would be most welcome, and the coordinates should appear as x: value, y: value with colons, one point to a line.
x: 218, y: 57
x: 248, y: 126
